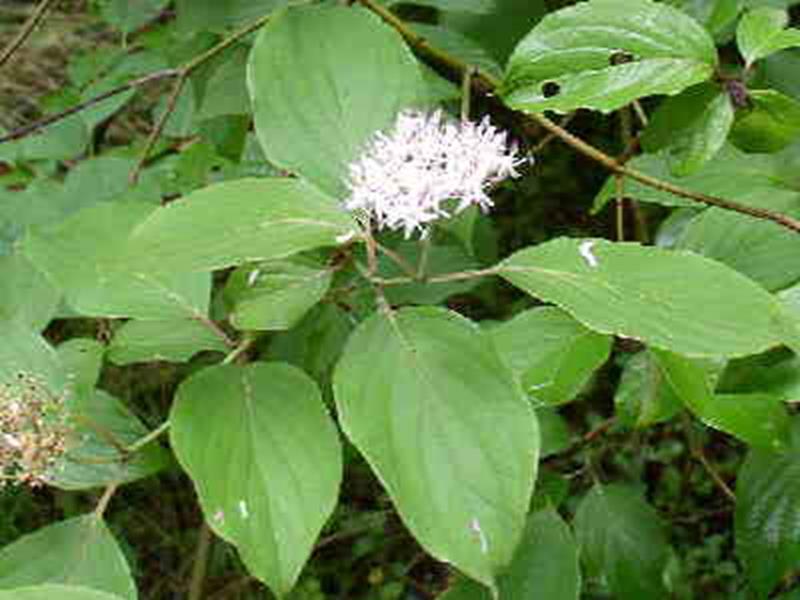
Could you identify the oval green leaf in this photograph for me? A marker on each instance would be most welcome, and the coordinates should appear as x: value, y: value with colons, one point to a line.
x: 621, y: 537
x: 87, y: 257
x: 761, y: 32
x: 318, y: 96
x: 692, y: 127
x: 545, y: 565
x: 604, y: 54
x: 674, y: 300
x: 79, y: 551
x: 265, y: 459
x: 759, y: 419
x: 551, y: 354
x: 769, y: 124
x: 446, y: 429
x: 234, y: 222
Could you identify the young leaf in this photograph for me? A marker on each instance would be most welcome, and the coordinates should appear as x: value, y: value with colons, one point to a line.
x: 768, y: 514
x: 604, y: 54
x: 674, y: 300
x: 759, y: 419
x: 318, y: 96
x: 691, y: 126
x: 620, y: 537
x: 550, y: 353
x: 545, y: 565
x: 234, y: 222
x: 761, y: 32
x: 79, y: 551
x: 419, y: 412
x: 265, y: 459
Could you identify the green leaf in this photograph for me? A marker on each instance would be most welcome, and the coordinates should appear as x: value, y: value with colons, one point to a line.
x: 759, y: 249
x: 26, y: 294
x: 551, y: 354
x: 574, y: 51
x: 767, y: 515
x: 226, y: 92
x: 275, y: 295
x: 62, y: 592
x: 759, y: 419
x: 630, y: 290
x: 545, y: 565
x: 730, y: 174
x: 761, y: 32
x: 459, y: 46
x: 776, y: 373
x: 498, y: 31
x: 104, y: 427
x: 175, y: 340
x: 87, y: 257
x: 553, y: 430
x: 478, y: 7
x: 691, y: 126
x: 25, y: 351
x: 128, y: 15
x: 771, y: 122
x: 265, y: 459
x: 218, y: 15
x: 318, y: 96
x: 442, y: 258
x: 234, y: 222
x: 643, y: 398
x: 418, y: 412
x: 82, y: 359
x: 621, y: 537
x: 79, y: 551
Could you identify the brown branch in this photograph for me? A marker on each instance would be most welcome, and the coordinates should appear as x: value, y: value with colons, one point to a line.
x: 488, y: 84
x: 159, y: 127
x: 27, y: 29
x: 49, y: 120
x: 183, y: 74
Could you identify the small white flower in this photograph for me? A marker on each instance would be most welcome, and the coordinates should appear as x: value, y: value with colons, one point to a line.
x: 403, y: 177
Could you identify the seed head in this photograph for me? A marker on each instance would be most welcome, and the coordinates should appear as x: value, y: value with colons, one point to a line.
x: 33, y: 430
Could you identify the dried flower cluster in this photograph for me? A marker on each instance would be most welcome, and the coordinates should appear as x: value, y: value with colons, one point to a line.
x: 33, y: 430
x: 403, y: 177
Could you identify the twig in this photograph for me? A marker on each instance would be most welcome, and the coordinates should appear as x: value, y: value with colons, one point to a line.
x: 200, y: 562
x: 102, y: 504
x: 183, y: 74
x: 159, y: 128
x: 49, y: 120
x: 488, y: 84
x: 144, y: 440
x: 36, y: 17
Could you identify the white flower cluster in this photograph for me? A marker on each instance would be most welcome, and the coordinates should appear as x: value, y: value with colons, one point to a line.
x: 403, y: 177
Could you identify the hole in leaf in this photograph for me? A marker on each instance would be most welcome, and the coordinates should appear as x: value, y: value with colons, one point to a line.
x: 550, y: 89
x: 620, y: 57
